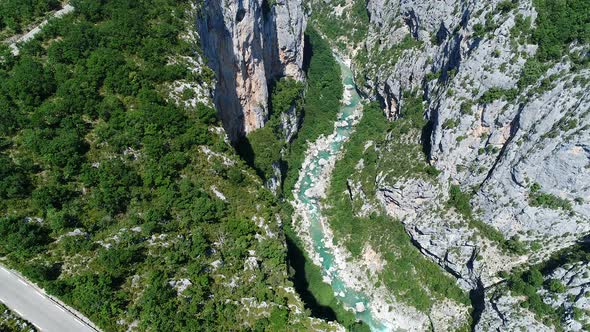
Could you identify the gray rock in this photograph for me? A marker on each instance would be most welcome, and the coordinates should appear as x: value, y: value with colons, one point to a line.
x: 248, y: 45
x: 502, y: 312
x: 497, y: 150
x: 575, y: 299
x: 290, y: 123
x: 274, y: 182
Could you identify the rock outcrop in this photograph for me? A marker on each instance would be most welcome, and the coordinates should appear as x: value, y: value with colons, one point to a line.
x: 502, y: 147
x: 571, y: 291
x: 503, y: 312
x: 521, y: 149
x: 248, y: 44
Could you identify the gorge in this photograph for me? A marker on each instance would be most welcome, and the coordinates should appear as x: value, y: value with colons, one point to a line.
x: 291, y: 165
x: 471, y: 69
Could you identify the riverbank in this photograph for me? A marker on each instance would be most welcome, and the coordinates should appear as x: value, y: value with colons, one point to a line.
x: 352, y: 280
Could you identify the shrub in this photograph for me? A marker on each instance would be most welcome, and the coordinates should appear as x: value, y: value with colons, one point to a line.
x: 479, y: 30
x: 547, y: 200
x: 534, y: 278
x: 506, y: 6
x: 531, y: 72
x: 496, y: 93
x: 556, y: 286
x: 460, y: 201
x: 21, y: 237
x: 450, y: 123
x: 466, y: 107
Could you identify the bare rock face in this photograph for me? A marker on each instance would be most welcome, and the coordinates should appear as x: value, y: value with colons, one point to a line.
x: 503, y: 147
x: 503, y: 312
x: 522, y: 155
x: 572, y: 294
x: 248, y: 44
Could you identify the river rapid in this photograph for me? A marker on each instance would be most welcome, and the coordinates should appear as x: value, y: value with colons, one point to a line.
x: 313, y: 228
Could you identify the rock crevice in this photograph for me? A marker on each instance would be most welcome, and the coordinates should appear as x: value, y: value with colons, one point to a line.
x: 249, y: 44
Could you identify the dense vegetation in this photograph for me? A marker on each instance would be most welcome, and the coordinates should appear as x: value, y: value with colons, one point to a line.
x: 413, y: 278
x: 353, y: 25
x: 119, y: 200
x: 15, y: 15
x: 322, y: 103
x: 560, y: 23
x: 557, y: 26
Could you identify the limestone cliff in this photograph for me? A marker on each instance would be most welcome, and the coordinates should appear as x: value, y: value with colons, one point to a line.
x: 519, y: 145
x: 249, y: 43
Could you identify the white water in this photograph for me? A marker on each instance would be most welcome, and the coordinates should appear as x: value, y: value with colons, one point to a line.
x: 311, y: 187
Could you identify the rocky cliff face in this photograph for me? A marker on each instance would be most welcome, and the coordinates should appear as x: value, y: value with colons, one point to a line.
x: 502, y: 146
x: 248, y: 44
x: 520, y: 147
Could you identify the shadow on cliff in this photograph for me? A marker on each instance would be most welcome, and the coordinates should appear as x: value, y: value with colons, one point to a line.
x: 217, y: 45
x: 578, y: 252
x: 302, y: 276
x: 246, y: 152
x: 299, y: 278
x: 425, y: 138
x: 307, y: 53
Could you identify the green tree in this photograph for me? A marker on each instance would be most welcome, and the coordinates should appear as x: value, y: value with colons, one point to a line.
x: 30, y: 83
x: 13, y: 179
x: 266, y: 149
x: 556, y: 286
x: 460, y: 201
x: 534, y: 278
x: 157, y: 307
x: 114, y: 183
x: 21, y: 237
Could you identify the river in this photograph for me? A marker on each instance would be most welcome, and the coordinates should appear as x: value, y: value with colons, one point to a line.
x: 311, y: 187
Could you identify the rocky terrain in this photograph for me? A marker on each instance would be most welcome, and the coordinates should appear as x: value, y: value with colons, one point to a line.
x: 249, y: 44
x: 507, y: 130
x: 515, y: 144
x: 467, y: 205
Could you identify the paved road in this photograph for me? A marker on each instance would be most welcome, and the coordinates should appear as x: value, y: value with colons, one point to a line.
x: 28, y: 302
x: 29, y: 35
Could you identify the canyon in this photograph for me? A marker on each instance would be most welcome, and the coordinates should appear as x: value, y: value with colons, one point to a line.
x: 297, y: 165
x: 528, y: 140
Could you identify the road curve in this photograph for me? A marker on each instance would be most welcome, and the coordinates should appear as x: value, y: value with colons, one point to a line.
x: 35, y: 306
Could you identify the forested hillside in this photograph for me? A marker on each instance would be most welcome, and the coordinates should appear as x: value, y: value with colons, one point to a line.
x: 119, y: 193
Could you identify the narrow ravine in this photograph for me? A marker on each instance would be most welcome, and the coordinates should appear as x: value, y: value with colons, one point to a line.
x: 311, y: 187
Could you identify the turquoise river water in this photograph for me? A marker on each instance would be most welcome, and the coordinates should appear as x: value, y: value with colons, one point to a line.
x: 343, y: 129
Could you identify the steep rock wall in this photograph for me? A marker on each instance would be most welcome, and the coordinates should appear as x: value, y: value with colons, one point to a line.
x: 531, y: 140
x: 249, y: 43
x: 500, y: 147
